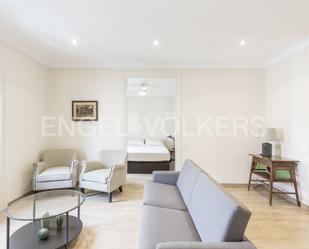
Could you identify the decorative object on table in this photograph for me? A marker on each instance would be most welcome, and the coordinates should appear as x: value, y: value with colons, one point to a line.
x: 85, y: 110
x: 43, y: 234
x: 270, y: 135
x: 59, y: 222
x: 45, y: 220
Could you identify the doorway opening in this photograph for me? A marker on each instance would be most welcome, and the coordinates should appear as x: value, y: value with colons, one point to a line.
x: 151, y: 124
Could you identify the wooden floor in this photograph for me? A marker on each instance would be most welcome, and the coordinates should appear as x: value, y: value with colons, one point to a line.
x: 281, y: 226
x: 116, y: 225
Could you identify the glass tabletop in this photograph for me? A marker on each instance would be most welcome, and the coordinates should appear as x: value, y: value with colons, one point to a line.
x: 52, y: 203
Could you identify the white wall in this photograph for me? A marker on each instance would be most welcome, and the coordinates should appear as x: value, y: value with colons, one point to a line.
x: 106, y: 86
x: 150, y: 116
x: 26, y: 101
x: 219, y: 98
x: 205, y: 93
x: 287, y: 103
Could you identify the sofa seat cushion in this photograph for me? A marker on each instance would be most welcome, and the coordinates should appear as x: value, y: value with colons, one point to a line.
x: 187, y: 179
x: 218, y: 216
x: 164, y: 225
x: 61, y: 173
x: 98, y: 176
x: 163, y: 195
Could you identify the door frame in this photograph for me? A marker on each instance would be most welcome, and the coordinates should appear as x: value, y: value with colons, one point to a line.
x: 3, y: 200
x: 178, y: 109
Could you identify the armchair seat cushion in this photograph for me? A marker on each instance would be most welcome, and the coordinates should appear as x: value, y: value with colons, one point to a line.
x: 61, y: 173
x: 98, y: 176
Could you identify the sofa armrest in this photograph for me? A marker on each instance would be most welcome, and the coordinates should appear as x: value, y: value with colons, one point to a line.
x: 74, y: 170
x: 74, y: 164
x: 166, y: 177
x: 116, y: 177
x: 39, y: 167
x: 206, y: 245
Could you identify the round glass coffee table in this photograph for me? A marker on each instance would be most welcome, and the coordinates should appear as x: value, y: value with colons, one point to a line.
x: 31, y: 208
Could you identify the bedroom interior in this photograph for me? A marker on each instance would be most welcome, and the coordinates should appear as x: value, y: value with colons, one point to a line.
x: 154, y: 124
x: 151, y: 124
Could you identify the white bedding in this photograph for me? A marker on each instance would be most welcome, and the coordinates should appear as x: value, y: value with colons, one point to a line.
x: 148, y: 153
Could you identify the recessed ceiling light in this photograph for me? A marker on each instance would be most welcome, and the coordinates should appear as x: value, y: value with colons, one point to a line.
x: 156, y: 43
x: 74, y: 42
x: 242, y: 42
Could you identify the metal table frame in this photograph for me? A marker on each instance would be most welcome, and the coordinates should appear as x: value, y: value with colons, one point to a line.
x: 8, y: 223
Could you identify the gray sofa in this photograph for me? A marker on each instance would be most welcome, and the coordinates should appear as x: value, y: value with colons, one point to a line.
x: 189, y: 210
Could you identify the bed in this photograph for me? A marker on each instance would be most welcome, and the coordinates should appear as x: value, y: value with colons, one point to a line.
x: 147, y: 156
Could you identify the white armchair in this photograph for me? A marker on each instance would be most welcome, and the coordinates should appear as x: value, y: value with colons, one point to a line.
x: 56, y: 169
x: 106, y: 175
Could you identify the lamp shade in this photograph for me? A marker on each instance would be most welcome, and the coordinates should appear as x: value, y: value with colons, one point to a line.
x: 270, y: 135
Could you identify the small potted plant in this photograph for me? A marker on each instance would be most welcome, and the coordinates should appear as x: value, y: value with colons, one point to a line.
x: 45, y: 220
x: 59, y: 222
x: 43, y: 234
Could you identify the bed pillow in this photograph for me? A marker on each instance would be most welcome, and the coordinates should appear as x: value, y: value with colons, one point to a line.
x: 153, y: 142
x: 136, y: 141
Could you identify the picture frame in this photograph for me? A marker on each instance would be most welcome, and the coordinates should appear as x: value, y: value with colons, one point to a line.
x: 85, y: 110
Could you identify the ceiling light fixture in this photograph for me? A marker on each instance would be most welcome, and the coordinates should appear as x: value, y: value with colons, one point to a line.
x: 74, y: 42
x: 242, y: 43
x: 156, y: 43
x: 142, y: 92
x: 143, y: 87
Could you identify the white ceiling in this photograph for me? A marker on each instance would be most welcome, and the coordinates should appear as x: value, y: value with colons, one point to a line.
x: 155, y: 86
x: 120, y: 33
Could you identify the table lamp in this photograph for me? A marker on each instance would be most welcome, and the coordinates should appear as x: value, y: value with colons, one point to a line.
x: 270, y: 135
x: 173, y: 141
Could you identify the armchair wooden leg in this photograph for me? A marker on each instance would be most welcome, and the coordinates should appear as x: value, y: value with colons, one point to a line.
x: 110, y: 196
x: 120, y: 188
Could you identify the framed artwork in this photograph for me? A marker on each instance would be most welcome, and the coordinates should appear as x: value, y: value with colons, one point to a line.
x: 85, y: 110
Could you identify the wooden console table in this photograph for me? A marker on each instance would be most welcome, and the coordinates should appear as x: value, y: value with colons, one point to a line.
x: 273, y: 165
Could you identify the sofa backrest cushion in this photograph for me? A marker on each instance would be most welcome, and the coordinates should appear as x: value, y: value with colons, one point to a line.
x: 187, y: 179
x: 217, y: 215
